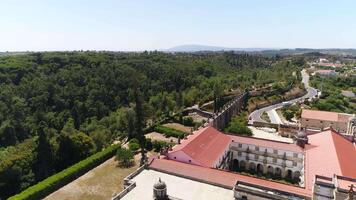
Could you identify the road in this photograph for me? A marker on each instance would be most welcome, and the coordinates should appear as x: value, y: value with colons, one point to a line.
x: 271, y: 110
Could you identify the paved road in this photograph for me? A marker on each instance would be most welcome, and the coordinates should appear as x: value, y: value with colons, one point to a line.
x: 256, y: 115
x: 274, y: 117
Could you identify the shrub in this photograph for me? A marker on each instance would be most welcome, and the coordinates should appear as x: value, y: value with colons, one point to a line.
x: 148, y: 144
x: 134, y: 146
x: 238, y: 125
x: 169, y: 132
x: 62, y: 178
x: 158, y: 145
x: 124, y: 156
x: 188, y: 121
x: 134, y: 140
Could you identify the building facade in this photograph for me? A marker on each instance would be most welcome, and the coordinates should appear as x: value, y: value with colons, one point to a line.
x: 341, y: 122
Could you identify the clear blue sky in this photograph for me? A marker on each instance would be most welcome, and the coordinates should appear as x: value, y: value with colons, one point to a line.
x: 158, y: 24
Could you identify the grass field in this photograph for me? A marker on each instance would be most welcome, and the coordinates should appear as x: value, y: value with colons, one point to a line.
x: 99, y: 183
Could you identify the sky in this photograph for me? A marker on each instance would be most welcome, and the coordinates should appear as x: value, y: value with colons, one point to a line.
x: 136, y: 25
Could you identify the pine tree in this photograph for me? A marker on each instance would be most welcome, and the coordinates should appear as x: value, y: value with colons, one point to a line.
x: 44, y: 165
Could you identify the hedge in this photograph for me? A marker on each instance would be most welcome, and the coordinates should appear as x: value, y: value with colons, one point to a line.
x: 158, y: 145
x: 54, y: 182
x: 169, y: 132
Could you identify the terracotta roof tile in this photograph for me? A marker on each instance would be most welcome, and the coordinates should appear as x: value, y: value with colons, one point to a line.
x: 220, y: 177
x: 205, y: 146
x: 325, y: 115
x: 329, y: 153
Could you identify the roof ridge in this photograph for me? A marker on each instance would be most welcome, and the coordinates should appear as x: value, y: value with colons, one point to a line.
x: 334, y: 134
x: 259, y: 138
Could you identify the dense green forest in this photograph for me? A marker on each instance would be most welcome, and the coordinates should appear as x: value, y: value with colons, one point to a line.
x: 57, y: 108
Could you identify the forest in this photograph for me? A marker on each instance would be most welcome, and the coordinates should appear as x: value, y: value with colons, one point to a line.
x: 331, y: 98
x: 57, y: 108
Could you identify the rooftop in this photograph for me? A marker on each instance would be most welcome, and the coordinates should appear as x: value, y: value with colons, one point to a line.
x: 325, y: 115
x: 325, y: 71
x: 218, y: 177
x: 266, y: 143
x: 329, y: 153
x: 177, y: 187
x: 205, y: 146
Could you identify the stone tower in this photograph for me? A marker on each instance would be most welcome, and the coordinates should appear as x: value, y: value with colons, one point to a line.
x: 301, y: 139
x: 160, y: 190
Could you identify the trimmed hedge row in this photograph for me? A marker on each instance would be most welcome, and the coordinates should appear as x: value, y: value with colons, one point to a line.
x: 54, y: 182
x: 170, y: 132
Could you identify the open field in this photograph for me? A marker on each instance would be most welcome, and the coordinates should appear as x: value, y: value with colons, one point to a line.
x: 180, y: 127
x: 160, y: 137
x: 97, y: 184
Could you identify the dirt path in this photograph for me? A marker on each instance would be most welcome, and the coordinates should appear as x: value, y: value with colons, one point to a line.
x: 97, y: 184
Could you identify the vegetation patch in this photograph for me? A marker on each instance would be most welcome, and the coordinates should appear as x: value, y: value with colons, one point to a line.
x: 238, y: 125
x: 265, y: 117
x: 62, y: 178
x: 169, y: 132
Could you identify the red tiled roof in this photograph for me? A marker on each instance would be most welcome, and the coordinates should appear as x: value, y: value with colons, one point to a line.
x: 205, y: 146
x: 220, y: 177
x: 267, y: 143
x: 329, y: 153
x: 325, y: 71
x: 325, y: 115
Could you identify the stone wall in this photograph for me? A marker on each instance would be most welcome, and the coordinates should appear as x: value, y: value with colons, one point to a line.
x: 223, y: 117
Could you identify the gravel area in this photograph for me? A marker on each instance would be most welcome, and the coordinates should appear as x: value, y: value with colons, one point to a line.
x: 269, y: 133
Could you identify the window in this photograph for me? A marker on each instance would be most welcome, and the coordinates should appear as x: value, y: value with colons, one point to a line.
x: 175, y: 157
x: 275, y: 160
x: 257, y: 148
x: 307, y: 120
x: 275, y: 151
x: 256, y: 156
x: 240, y: 145
x: 295, y: 155
x: 239, y: 153
x: 190, y: 160
x: 294, y: 164
x: 321, y: 121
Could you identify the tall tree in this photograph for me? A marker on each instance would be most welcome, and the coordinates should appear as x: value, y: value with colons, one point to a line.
x: 44, y: 160
x: 140, y: 123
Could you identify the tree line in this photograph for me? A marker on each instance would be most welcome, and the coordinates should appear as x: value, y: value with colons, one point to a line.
x: 57, y: 108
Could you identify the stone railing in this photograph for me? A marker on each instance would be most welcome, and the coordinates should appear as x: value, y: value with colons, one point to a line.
x: 129, y: 184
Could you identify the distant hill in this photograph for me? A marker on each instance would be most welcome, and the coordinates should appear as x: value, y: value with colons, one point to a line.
x: 196, y: 48
x: 264, y: 51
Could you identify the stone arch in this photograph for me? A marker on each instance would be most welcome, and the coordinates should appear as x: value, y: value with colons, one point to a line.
x: 252, y: 167
x: 235, y: 165
x: 242, y: 165
x: 296, y: 176
x: 270, y: 170
x: 278, y: 172
x: 289, y: 174
x: 259, y: 168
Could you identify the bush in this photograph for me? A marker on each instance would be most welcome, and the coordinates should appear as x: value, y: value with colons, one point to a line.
x: 54, y: 182
x: 188, y: 121
x: 148, y: 144
x: 239, y: 129
x: 124, y: 156
x: 134, y: 146
x: 238, y: 125
x: 169, y: 132
x: 288, y: 115
x: 158, y: 145
x: 134, y: 140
